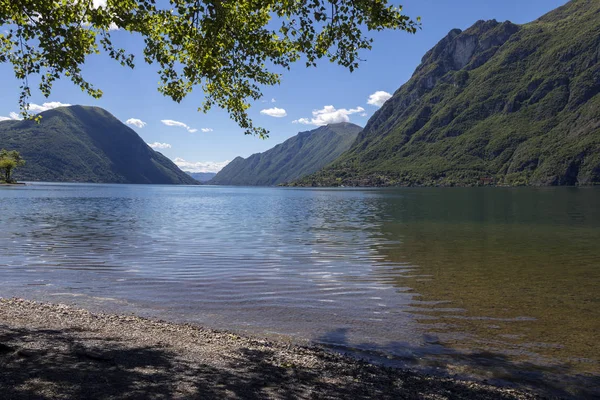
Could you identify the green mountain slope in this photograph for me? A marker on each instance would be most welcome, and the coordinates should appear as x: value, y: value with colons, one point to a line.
x: 300, y: 155
x: 498, y: 103
x: 86, y: 144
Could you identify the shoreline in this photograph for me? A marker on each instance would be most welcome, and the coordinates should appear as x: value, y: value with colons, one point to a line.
x: 58, y: 351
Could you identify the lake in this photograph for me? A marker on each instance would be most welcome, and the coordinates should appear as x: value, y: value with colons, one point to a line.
x: 498, y: 283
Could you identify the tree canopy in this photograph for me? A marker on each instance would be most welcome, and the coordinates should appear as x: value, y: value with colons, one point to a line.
x: 9, y: 160
x: 228, y: 48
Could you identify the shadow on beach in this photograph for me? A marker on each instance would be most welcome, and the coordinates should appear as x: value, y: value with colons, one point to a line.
x: 554, y: 381
x: 80, y: 363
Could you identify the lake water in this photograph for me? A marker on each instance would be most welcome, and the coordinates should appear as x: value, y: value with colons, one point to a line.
x: 497, y: 283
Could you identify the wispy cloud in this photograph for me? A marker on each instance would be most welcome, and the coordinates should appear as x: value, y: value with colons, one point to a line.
x: 206, y: 129
x: 274, y: 112
x: 35, y: 109
x: 158, y: 145
x: 378, y: 98
x: 273, y: 100
x: 200, y: 166
x: 136, y: 122
x: 170, y: 122
x: 329, y: 115
x: 11, y: 116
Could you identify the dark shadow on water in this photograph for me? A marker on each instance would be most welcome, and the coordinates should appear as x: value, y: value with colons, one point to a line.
x: 44, y: 364
x: 556, y: 381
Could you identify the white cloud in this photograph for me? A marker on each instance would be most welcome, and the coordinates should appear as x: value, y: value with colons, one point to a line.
x: 158, y: 145
x: 329, y: 115
x: 378, y: 98
x: 206, y: 129
x: 200, y: 166
x: 36, y: 108
x: 304, y: 121
x: 136, y: 122
x: 274, y: 112
x: 12, y: 116
x: 273, y: 100
x: 170, y: 122
x: 364, y: 114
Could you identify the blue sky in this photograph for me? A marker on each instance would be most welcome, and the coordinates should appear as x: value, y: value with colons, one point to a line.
x: 132, y: 94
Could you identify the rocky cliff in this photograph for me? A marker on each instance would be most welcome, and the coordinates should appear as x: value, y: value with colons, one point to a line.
x: 497, y: 103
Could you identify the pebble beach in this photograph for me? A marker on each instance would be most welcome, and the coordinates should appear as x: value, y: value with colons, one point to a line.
x: 56, y: 351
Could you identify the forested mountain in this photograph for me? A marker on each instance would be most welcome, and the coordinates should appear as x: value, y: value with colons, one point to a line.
x: 497, y: 103
x: 86, y: 144
x: 300, y: 155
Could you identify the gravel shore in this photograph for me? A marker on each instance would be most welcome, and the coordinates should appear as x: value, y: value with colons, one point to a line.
x: 53, y: 351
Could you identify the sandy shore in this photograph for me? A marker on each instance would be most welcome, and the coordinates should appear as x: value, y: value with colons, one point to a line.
x: 50, y: 351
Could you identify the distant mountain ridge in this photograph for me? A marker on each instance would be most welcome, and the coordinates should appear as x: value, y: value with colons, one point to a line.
x: 298, y: 156
x: 497, y: 103
x: 201, y: 176
x: 86, y: 144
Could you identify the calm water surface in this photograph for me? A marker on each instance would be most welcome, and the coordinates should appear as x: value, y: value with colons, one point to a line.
x: 497, y: 283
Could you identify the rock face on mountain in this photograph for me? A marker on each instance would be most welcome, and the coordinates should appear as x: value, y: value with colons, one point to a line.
x: 298, y: 156
x: 86, y: 144
x: 497, y: 103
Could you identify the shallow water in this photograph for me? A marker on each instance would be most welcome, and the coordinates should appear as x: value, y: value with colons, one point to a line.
x: 499, y: 283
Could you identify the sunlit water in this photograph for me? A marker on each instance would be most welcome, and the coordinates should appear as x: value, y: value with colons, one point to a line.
x: 498, y: 283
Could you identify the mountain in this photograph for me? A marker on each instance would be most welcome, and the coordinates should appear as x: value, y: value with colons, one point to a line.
x: 86, y: 144
x: 300, y: 155
x: 201, y: 176
x: 497, y: 103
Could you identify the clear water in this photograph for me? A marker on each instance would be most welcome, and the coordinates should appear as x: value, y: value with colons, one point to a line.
x: 497, y: 283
